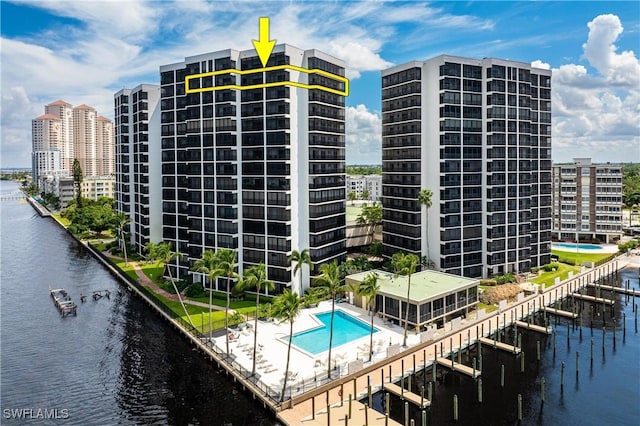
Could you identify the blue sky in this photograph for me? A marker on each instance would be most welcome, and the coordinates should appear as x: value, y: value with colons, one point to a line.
x: 84, y: 51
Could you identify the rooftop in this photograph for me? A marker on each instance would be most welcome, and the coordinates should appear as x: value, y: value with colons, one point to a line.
x: 425, y: 285
x: 59, y: 102
x: 84, y: 106
x: 48, y: 117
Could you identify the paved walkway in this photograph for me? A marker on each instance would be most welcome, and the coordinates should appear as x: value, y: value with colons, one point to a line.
x: 147, y: 282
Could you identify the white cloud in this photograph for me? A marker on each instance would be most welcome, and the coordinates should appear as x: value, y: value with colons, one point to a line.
x: 600, y: 51
x: 363, y: 136
x: 539, y: 64
x: 598, y: 113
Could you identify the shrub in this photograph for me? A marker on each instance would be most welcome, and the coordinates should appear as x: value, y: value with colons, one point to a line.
x: 236, y: 318
x: 194, y: 290
x: 506, y: 278
x: 631, y: 244
x: 535, y: 270
x: 503, y: 292
x: 553, y: 266
x: 488, y: 282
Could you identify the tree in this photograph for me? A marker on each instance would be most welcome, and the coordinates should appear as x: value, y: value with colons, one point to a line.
x: 256, y: 277
x: 329, y: 283
x: 300, y: 259
x: 120, y: 221
x: 424, y: 198
x: 208, y: 264
x: 166, y: 255
x: 368, y: 289
x: 77, y: 180
x: 286, y: 308
x: 226, y: 266
x: 352, y: 197
x: 152, y: 251
x: 370, y: 216
x: 405, y: 264
x: 365, y: 194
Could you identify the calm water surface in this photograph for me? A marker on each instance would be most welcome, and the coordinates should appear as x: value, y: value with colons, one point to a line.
x: 116, y: 362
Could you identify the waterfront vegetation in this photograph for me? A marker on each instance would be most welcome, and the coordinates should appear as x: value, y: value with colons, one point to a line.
x: 573, y: 258
x: 547, y: 278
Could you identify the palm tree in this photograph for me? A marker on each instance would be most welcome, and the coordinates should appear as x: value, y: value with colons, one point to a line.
x: 405, y: 264
x: 208, y: 264
x: 226, y: 266
x: 287, y: 306
x: 152, y: 251
x: 300, y: 259
x: 424, y: 198
x: 369, y: 288
x: 330, y: 284
x: 166, y: 255
x: 256, y: 277
x: 121, y: 220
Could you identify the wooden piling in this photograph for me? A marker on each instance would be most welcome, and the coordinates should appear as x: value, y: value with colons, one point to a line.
x: 406, y: 414
x: 562, y: 376
x: 519, y: 407
x: 522, y: 362
x: 480, y: 390
x: 455, y: 407
x: 577, y: 363
x: 542, y: 383
x: 502, y: 376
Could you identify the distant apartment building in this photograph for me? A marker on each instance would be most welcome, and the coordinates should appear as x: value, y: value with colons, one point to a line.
x: 371, y: 183
x: 94, y: 187
x: 477, y: 133
x: 60, y: 185
x: 138, y: 188
x: 258, y: 170
x: 65, y: 133
x: 46, y: 144
x: 587, y: 201
x: 64, y: 112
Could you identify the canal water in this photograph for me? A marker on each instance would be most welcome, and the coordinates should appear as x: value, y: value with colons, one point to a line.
x: 116, y: 362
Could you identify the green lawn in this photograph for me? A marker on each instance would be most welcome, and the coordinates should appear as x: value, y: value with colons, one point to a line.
x: 353, y: 212
x: 580, y: 256
x: 65, y: 222
x: 487, y: 308
x: 548, y: 278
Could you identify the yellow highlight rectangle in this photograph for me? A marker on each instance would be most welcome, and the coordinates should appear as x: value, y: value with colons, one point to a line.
x: 274, y: 84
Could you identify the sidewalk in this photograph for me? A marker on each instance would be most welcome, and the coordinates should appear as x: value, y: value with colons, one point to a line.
x: 147, y: 282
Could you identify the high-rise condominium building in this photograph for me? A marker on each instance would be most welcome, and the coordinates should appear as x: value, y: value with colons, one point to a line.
x: 64, y: 111
x: 587, y: 201
x: 65, y: 133
x: 137, y: 129
x: 477, y: 133
x: 105, y: 147
x: 46, y: 144
x: 260, y: 170
x: 84, y: 138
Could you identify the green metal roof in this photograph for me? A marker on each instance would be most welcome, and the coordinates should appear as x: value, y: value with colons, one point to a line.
x: 425, y: 285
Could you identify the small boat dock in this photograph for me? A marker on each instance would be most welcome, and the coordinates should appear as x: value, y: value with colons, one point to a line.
x: 63, y: 302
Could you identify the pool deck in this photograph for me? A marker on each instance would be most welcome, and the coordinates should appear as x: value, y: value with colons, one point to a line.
x: 306, y: 368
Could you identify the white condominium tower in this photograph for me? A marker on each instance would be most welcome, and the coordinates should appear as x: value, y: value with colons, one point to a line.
x: 137, y: 129
x: 260, y: 170
x: 477, y: 133
x: 64, y: 111
x: 46, y: 144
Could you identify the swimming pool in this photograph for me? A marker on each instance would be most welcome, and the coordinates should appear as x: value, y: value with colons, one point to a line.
x: 346, y: 328
x: 572, y: 246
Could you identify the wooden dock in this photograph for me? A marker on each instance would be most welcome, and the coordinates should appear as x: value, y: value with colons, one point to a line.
x: 594, y: 299
x: 629, y: 291
x: 460, y: 368
x: 63, y: 302
x: 407, y: 395
x: 499, y: 345
x: 338, y: 412
x: 533, y: 327
x: 560, y: 312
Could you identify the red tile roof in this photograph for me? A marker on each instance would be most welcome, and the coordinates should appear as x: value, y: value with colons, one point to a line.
x: 48, y: 117
x: 84, y: 106
x: 102, y: 118
x: 59, y: 102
